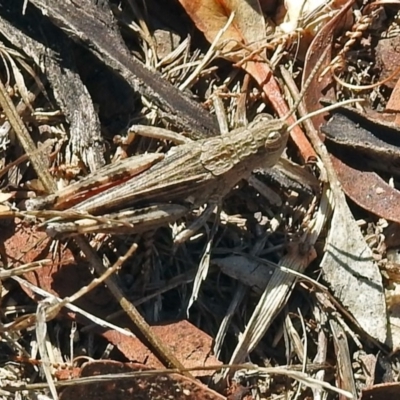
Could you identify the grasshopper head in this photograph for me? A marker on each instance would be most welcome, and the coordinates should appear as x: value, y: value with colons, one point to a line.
x: 272, y: 133
x: 276, y: 138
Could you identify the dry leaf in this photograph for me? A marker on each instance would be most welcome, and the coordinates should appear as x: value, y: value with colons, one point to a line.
x: 210, y: 16
x: 349, y: 268
x: 369, y: 191
x: 249, y: 272
x: 191, y: 346
x: 321, y: 86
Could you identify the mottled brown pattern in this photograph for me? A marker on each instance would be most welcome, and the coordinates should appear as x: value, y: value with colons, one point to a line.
x: 201, y: 166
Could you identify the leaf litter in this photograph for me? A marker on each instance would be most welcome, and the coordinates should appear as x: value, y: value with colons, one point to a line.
x: 293, y: 276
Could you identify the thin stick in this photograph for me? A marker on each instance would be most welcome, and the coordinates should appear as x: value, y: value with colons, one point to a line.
x: 26, y: 141
x: 161, y: 351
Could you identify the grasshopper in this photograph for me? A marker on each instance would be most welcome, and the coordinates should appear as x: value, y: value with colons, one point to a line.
x: 191, y: 174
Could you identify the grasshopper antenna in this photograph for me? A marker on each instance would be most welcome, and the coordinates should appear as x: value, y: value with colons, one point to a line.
x: 306, y: 86
x: 325, y: 109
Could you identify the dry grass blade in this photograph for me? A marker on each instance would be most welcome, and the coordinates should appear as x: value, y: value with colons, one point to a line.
x: 26, y: 141
x: 281, y: 284
x: 22, y: 269
x: 43, y: 342
x: 28, y: 321
x: 8, y: 56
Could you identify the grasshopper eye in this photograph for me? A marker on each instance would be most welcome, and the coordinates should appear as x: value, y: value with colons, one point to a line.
x: 273, y: 141
x: 273, y: 136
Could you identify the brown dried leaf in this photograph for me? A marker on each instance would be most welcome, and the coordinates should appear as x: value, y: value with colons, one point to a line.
x: 210, y: 16
x: 322, y: 40
x: 369, y: 191
x: 387, y: 56
x: 393, y: 104
x: 24, y: 245
x: 190, y: 345
x: 62, y: 278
